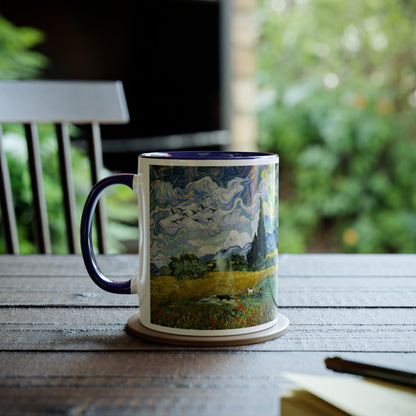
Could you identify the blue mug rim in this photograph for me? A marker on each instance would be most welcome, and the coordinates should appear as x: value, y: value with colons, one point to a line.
x: 208, y: 155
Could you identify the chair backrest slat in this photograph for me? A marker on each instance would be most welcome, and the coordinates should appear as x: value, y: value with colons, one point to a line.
x: 7, y: 208
x: 67, y: 183
x: 57, y: 102
x: 39, y: 201
x: 96, y: 162
x: 63, y: 101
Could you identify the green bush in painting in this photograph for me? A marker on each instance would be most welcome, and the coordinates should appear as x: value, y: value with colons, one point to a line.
x: 337, y: 103
x: 187, y: 265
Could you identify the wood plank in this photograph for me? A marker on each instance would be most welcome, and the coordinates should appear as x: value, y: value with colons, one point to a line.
x: 296, y: 265
x: 293, y: 292
x: 84, y: 367
x: 347, y: 291
x: 100, y: 329
x: 138, y: 400
x: 208, y: 382
x: 99, y: 317
x: 347, y: 265
x: 65, y: 265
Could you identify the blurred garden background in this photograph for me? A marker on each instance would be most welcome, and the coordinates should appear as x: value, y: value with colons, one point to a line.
x: 336, y: 100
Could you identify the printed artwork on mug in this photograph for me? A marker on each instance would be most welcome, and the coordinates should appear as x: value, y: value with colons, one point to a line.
x: 213, y: 250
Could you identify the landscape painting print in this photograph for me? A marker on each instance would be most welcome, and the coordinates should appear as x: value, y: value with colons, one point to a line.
x: 213, y: 249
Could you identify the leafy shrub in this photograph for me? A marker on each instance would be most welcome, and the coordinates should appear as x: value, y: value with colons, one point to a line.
x: 17, y: 59
x: 337, y: 104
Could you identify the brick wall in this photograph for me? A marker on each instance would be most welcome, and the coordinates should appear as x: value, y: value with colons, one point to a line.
x: 243, y: 66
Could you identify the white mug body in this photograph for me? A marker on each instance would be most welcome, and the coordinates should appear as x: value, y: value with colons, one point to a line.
x: 208, y: 242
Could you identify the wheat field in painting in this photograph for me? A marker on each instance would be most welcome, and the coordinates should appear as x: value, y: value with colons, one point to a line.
x: 219, y: 300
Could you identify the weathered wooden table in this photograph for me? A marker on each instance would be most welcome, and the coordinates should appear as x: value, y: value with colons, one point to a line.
x: 64, y: 349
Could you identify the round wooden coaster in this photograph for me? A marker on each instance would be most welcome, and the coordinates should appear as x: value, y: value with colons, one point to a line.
x: 136, y: 328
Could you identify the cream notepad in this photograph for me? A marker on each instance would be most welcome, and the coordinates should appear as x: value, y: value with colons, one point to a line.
x: 326, y: 395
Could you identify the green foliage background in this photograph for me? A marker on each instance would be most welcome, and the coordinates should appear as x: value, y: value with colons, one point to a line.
x: 19, y: 61
x: 337, y: 103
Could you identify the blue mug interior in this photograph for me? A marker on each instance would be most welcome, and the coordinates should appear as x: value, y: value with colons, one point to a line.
x: 210, y: 155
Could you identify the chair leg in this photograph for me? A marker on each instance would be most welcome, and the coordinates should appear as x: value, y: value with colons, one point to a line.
x: 96, y: 161
x: 68, y: 190
x: 39, y: 201
x: 6, y: 200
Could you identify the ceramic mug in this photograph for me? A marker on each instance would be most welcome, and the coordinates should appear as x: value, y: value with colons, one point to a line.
x: 208, y: 242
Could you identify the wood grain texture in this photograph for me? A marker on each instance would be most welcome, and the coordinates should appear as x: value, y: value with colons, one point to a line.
x: 344, y: 281
x: 63, y: 329
x: 166, y: 383
x: 293, y: 292
x: 64, y: 348
x: 64, y: 265
x: 301, y: 265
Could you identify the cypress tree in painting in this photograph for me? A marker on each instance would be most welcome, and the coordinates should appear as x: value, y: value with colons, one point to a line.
x: 261, y: 234
x: 252, y: 254
x: 258, y: 250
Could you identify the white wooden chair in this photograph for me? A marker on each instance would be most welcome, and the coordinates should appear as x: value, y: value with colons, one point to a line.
x: 60, y: 103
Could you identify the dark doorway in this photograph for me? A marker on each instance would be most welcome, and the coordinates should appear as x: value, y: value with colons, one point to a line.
x: 166, y: 53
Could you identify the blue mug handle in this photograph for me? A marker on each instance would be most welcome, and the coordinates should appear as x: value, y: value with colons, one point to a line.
x: 87, y: 247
